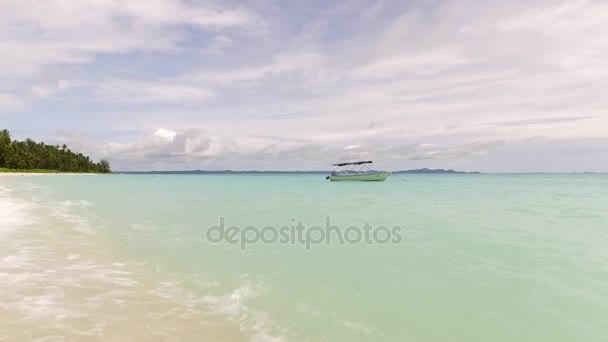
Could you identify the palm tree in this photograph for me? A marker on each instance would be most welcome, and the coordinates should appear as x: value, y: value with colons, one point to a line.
x: 29, y: 154
x: 5, y: 142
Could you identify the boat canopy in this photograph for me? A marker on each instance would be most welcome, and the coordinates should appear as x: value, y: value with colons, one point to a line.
x: 354, y: 163
x: 358, y: 168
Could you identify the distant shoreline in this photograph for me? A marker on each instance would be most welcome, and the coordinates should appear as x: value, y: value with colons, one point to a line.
x: 236, y: 172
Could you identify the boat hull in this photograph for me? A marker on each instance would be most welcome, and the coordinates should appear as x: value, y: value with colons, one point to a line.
x: 368, y: 177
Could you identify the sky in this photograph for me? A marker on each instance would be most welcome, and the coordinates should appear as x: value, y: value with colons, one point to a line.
x: 474, y: 85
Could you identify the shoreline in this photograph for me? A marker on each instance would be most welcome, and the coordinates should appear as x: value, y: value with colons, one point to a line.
x: 28, y: 174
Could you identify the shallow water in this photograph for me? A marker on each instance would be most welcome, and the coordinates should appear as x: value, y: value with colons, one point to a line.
x: 481, y: 257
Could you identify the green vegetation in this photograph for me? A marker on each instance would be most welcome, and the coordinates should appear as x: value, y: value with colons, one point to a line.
x: 4, y: 169
x: 30, y: 156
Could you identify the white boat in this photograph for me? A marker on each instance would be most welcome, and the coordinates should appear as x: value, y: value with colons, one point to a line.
x: 356, y: 171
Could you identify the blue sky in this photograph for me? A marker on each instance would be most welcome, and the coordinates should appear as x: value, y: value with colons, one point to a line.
x: 495, y: 86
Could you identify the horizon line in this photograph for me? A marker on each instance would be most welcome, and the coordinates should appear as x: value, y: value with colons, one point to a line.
x: 422, y: 171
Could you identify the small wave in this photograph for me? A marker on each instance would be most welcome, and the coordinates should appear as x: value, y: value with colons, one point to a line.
x: 113, y: 274
x: 256, y: 323
x: 232, y: 305
x: 307, y: 311
x: 13, y: 212
x: 358, y: 327
x: 67, y: 211
x: 140, y: 226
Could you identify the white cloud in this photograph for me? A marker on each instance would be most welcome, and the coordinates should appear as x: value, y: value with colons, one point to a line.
x: 164, y: 148
x: 42, y: 91
x: 10, y: 103
x: 151, y: 92
x: 414, y: 63
x: 303, y: 65
x: 558, y: 17
x: 38, y: 34
x: 220, y: 43
x: 46, y: 90
x: 165, y: 134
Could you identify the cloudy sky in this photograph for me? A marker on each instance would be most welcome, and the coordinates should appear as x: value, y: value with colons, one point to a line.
x: 494, y: 86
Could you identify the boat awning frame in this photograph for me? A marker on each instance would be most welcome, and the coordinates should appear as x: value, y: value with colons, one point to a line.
x: 356, y: 168
x: 354, y: 163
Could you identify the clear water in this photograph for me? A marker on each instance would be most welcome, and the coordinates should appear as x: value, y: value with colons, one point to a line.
x: 483, y: 258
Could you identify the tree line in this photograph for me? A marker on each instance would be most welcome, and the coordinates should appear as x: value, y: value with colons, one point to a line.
x: 28, y: 155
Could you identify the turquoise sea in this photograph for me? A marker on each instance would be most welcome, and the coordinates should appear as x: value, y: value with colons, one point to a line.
x: 483, y: 257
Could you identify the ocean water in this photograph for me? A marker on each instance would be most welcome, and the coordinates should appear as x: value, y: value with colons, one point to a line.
x: 477, y: 258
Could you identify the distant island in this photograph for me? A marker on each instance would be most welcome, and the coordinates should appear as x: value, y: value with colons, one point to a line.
x: 30, y: 156
x: 224, y: 172
x: 425, y: 170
